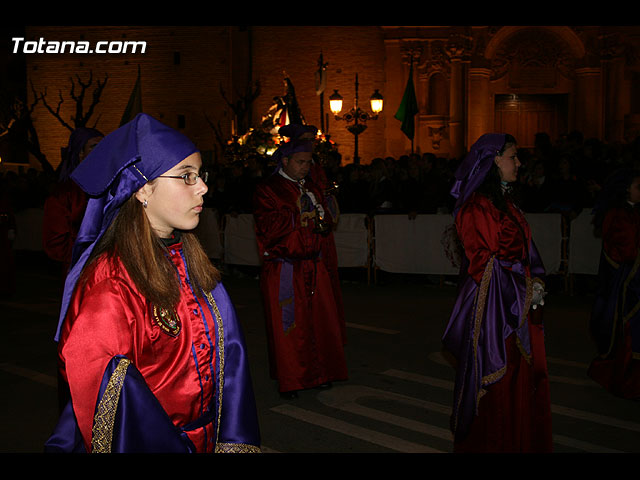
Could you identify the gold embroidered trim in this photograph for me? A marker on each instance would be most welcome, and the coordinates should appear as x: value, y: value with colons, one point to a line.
x: 480, y: 308
x: 220, y: 330
x: 613, y: 263
x: 306, y: 216
x: 538, y: 280
x: 525, y: 314
x: 237, y: 448
x: 102, y: 432
x: 286, y: 301
x: 480, y: 301
x: 493, y: 377
x: 623, y: 301
x: 480, y: 305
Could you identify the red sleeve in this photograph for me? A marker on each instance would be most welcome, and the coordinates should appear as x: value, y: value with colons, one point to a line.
x: 101, y: 328
x: 620, y: 235
x: 478, y: 229
x: 63, y: 212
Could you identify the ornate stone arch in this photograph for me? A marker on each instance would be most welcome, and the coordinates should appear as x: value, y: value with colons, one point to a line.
x: 570, y: 37
x: 534, y: 53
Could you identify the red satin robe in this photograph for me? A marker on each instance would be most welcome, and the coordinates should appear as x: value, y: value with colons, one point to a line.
x: 620, y: 372
x: 515, y: 413
x: 329, y: 253
x: 108, y: 316
x: 63, y: 213
x: 310, y: 352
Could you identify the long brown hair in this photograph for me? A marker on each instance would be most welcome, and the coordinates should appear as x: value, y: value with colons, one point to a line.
x: 131, y: 238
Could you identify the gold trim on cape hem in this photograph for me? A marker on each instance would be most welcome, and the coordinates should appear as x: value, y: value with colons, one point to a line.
x: 525, y: 315
x: 237, y: 448
x: 220, y: 331
x: 480, y: 307
x: 479, y: 301
x: 102, y: 431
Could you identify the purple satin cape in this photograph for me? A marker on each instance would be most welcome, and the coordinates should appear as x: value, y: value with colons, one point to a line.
x: 617, y: 298
x: 142, y: 425
x: 483, y: 317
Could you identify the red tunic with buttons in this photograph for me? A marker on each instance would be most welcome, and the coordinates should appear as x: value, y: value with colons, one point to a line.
x: 108, y: 316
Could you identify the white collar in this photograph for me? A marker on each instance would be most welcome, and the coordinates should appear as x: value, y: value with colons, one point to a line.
x: 281, y: 172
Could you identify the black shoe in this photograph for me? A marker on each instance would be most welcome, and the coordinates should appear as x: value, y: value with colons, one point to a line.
x: 325, y: 386
x: 292, y: 395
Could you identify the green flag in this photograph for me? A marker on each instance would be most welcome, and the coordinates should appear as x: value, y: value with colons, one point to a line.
x: 408, y: 108
x: 134, y: 106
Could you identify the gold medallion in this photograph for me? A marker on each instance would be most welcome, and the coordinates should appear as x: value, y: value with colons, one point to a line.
x: 168, y: 321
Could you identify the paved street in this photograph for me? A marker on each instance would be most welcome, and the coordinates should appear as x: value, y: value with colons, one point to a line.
x: 398, y: 396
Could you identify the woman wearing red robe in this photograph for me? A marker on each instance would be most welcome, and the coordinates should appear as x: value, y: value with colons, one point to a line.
x: 149, y: 342
x: 615, y: 319
x: 501, y: 396
x: 304, y: 325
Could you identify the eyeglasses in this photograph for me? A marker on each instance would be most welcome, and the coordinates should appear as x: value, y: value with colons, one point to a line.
x: 190, y: 178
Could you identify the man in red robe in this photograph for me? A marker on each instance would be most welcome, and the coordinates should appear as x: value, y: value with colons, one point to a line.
x: 64, y: 208
x: 304, y: 324
x: 615, y: 321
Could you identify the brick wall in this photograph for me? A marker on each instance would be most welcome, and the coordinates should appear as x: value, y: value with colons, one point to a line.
x: 189, y: 87
x: 211, y: 58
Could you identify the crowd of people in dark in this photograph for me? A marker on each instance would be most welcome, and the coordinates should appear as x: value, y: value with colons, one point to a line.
x: 563, y: 176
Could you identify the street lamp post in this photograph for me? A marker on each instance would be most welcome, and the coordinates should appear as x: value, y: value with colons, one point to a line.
x: 356, y: 118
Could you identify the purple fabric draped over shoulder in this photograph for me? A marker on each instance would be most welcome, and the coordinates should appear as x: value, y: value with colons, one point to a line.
x: 483, y: 316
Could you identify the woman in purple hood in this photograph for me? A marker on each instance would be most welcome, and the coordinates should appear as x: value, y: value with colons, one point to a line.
x: 501, y: 396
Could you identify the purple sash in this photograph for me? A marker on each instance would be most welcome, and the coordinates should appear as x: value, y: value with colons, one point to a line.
x: 483, y: 317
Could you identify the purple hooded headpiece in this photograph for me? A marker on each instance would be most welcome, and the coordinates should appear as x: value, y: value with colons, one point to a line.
x: 475, y: 167
x: 302, y: 137
x: 71, y: 153
x: 116, y: 168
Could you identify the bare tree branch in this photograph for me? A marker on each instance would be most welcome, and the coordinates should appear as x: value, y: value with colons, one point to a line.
x: 217, y: 131
x: 242, y: 107
x: 80, y: 118
x: 56, y: 112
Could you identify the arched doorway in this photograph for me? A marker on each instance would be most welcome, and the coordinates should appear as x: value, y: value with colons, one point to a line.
x: 525, y: 115
x: 533, y: 80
